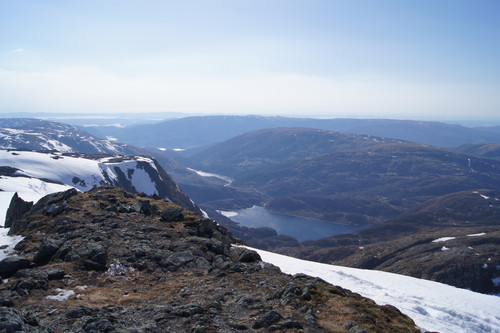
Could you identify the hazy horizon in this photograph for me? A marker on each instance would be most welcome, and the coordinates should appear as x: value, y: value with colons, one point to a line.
x: 425, y: 60
x: 153, y: 117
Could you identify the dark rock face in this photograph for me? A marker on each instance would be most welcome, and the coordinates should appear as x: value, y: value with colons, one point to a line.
x: 92, y: 268
x: 17, y: 208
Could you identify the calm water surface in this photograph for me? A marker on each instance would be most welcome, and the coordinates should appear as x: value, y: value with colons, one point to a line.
x: 298, y: 227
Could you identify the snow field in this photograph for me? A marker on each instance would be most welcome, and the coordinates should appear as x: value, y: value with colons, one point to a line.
x: 89, y: 172
x: 433, y: 306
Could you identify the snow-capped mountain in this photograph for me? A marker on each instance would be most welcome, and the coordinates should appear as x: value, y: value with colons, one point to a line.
x: 42, y: 171
x: 36, y: 134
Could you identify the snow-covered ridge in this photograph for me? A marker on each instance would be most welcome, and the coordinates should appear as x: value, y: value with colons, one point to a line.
x: 34, y: 174
x: 433, y: 306
x: 132, y: 173
x: 38, y: 135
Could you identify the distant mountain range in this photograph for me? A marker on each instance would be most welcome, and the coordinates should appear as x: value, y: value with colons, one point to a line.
x: 198, y: 131
x: 344, y: 178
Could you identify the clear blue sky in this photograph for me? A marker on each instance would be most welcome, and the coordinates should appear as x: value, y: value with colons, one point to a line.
x: 374, y: 58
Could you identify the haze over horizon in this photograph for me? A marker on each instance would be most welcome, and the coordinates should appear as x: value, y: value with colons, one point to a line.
x: 385, y: 59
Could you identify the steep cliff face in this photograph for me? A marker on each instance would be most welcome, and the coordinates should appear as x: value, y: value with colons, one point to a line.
x: 107, y: 260
x: 136, y: 174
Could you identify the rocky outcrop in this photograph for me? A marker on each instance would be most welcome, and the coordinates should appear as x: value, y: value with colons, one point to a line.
x: 17, y: 208
x: 109, y: 261
x: 51, y: 205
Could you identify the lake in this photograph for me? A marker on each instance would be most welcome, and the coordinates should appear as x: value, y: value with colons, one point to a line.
x: 298, y: 227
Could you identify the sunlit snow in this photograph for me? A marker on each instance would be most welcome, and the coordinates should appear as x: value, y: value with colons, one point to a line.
x: 477, y: 235
x: 443, y: 239
x: 78, y: 172
x: 227, y: 213
x: 433, y: 306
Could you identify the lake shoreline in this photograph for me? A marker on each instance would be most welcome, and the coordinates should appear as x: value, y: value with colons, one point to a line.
x: 298, y: 227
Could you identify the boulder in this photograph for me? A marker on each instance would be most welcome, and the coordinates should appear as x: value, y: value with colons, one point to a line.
x: 171, y: 214
x: 10, y: 265
x: 46, y: 250
x: 267, y: 320
x: 142, y: 206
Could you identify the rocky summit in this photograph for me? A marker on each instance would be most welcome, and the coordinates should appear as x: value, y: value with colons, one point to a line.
x: 110, y: 261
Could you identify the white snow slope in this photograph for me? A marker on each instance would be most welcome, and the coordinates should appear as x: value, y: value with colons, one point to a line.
x: 88, y: 172
x: 433, y: 306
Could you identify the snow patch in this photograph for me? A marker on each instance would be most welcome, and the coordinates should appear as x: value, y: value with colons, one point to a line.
x: 62, y: 295
x: 476, y: 235
x: 227, y: 213
x: 443, y: 239
x: 444, y: 248
x: 214, y: 175
x: 8, y: 243
x: 205, y: 214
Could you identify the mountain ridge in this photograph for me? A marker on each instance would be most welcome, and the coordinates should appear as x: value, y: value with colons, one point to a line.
x: 84, y: 171
x: 89, y: 268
